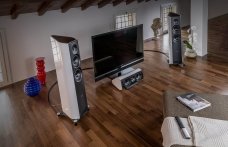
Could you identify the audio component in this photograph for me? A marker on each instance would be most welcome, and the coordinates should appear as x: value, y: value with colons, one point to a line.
x: 175, y: 47
x: 129, y: 79
x: 70, y: 78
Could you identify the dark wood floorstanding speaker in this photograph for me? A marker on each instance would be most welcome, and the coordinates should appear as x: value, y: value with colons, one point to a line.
x: 175, y: 50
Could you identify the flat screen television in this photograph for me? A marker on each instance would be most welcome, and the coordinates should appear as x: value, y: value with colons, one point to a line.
x: 117, y: 50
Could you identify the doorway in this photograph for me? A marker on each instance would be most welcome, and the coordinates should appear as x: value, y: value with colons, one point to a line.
x: 4, y: 61
x: 165, y: 10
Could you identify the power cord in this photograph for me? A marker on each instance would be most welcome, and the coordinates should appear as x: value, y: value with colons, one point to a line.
x: 157, y: 52
x: 87, y: 68
x: 49, y: 91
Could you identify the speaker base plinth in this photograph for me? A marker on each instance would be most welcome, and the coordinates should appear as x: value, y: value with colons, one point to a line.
x: 75, y: 121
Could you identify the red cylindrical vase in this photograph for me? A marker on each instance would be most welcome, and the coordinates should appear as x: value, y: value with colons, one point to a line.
x: 41, y: 74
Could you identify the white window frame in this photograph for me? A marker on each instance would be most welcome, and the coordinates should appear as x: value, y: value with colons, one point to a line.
x: 125, y: 20
x: 168, y: 5
x: 5, y: 63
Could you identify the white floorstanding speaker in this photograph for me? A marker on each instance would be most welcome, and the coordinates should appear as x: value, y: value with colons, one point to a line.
x: 70, y: 78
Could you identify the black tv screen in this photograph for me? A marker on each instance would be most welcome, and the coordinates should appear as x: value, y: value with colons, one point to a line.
x: 117, y: 50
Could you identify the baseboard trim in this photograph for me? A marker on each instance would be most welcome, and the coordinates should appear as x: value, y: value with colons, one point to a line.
x: 148, y: 40
x: 21, y: 82
x: 6, y: 86
x: 185, y: 27
x: 152, y: 38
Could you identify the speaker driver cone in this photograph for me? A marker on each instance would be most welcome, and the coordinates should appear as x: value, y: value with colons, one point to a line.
x: 78, y: 75
x: 75, y: 49
x: 76, y: 61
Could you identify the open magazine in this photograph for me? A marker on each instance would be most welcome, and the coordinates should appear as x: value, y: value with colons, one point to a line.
x: 193, y: 101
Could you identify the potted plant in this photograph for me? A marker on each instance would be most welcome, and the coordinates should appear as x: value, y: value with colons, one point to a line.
x: 190, y: 50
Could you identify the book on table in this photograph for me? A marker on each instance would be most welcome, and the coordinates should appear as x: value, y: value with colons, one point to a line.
x: 193, y: 101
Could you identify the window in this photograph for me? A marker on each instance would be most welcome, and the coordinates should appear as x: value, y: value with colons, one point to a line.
x: 125, y: 20
x: 165, y: 10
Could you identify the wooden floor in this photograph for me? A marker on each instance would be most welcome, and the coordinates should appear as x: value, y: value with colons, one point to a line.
x: 116, y: 118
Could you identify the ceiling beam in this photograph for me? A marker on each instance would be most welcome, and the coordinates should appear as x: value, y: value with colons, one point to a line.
x: 44, y: 7
x: 103, y: 3
x: 67, y: 5
x: 14, y: 11
x: 129, y: 2
x: 117, y: 2
x: 139, y: 1
x: 87, y: 4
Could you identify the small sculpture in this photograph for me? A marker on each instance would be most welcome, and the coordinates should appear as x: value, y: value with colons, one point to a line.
x: 156, y: 26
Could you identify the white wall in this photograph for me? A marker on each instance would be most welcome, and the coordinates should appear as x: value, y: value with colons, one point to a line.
x: 28, y: 35
x: 199, y: 19
x: 217, y: 8
x: 185, y: 12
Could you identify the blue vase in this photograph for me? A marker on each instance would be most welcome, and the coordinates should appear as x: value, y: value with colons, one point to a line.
x: 32, y: 87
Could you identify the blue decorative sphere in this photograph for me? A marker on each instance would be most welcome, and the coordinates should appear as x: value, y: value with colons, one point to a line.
x: 32, y: 87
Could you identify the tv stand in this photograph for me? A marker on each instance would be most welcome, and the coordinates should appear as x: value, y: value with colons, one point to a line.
x: 128, y: 78
x: 126, y: 71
